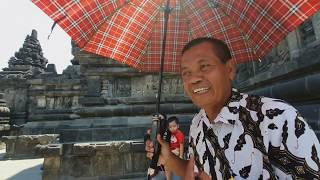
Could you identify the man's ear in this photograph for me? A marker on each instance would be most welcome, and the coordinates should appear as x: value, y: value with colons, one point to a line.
x: 232, y: 69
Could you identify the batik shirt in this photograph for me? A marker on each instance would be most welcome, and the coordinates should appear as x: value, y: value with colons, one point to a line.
x: 255, y: 137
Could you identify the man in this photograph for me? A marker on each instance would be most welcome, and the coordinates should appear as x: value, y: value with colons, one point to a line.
x: 235, y: 135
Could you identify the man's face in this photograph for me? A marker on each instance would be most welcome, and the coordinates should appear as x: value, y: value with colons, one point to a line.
x: 173, y: 126
x: 206, y: 79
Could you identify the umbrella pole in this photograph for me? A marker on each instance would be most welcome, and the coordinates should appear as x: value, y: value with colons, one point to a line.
x: 158, y: 127
x: 166, y: 17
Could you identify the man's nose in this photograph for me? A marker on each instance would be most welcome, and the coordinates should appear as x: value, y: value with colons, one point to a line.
x: 196, y: 78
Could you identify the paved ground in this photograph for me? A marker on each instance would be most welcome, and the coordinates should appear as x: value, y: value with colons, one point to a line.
x: 20, y: 169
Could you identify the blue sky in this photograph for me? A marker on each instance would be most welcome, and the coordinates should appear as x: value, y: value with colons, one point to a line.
x: 18, y: 18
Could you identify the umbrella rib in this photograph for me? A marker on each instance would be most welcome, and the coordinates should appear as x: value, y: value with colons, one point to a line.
x: 187, y: 20
x: 120, y: 7
x: 247, y: 38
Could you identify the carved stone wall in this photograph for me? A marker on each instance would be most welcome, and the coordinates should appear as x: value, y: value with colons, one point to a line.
x: 290, y: 72
x: 105, y: 160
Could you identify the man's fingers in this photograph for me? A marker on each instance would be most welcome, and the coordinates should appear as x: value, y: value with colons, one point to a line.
x: 204, y: 176
x: 160, y: 140
x: 149, y: 146
x: 190, y: 170
x: 149, y: 142
x: 149, y: 155
x: 151, y: 150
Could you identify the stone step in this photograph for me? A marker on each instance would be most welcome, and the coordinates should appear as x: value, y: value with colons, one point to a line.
x: 93, y: 101
x: 135, y: 110
x: 100, y: 129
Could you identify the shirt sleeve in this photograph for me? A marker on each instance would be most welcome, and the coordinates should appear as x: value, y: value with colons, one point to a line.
x: 190, y: 142
x: 180, y: 137
x: 190, y: 152
x: 293, y: 146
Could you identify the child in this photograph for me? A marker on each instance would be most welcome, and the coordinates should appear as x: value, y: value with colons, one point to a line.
x: 176, y: 142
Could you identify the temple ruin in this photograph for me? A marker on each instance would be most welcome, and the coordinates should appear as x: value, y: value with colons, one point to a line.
x: 100, y: 109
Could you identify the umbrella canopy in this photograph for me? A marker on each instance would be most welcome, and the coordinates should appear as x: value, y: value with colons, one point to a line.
x: 131, y: 31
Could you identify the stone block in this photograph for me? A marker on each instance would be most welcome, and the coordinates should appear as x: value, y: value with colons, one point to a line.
x: 94, y: 87
x: 138, y: 110
x: 90, y: 101
x: 84, y: 135
x: 82, y: 167
x: 119, y: 133
x: 50, y: 150
x: 117, y: 161
x: 25, y: 145
x: 140, y: 162
x: 108, y: 160
x: 51, y: 163
x: 101, y: 164
x: 137, y: 147
x: 68, y: 135
x: 101, y: 135
x: 136, y: 132
x: 67, y: 149
x: 84, y: 150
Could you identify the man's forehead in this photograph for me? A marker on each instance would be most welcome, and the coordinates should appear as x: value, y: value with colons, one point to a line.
x: 201, y: 48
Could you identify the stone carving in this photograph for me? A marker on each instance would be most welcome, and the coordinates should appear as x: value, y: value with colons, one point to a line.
x: 105, y: 160
x: 106, y: 88
x: 4, y: 115
x: 122, y: 87
x: 72, y: 72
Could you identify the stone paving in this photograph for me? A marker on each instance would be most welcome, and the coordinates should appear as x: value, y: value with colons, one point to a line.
x: 23, y: 169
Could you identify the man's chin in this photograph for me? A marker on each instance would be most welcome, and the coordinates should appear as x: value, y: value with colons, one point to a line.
x: 200, y: 104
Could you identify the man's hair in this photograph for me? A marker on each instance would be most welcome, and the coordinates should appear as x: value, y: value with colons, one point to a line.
x: 219, y: 47
x: 173, y: 119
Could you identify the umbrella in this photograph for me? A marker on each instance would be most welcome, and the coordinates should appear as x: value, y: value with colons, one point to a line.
x: 139, y: 32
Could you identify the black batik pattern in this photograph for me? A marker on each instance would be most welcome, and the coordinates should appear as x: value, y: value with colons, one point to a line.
x: 244, y: 172
x: 225, y: 168
x: 299, y: 127
x: 315, y: 157
x: 271, y: 113
x: 291, y: 164
x: 251, y: 128
x: 288, y: 162
x: 233, y: 110
x: 275, y: 116
x: 226, y: 140
x: 240, y: 142
x: 272, y: 126
x: 254, y: 103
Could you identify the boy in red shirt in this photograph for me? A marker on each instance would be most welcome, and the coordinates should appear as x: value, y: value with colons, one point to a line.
x: 176, y: 142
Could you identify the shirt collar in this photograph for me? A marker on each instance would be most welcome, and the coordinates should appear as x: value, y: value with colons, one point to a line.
x: 229, y: 114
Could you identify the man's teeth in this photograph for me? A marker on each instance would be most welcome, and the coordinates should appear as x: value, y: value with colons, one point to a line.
x: 200, y: 90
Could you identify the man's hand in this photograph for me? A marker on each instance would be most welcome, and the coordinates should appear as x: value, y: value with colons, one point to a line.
x: 149, y: 149
x: 191, y: 175
x: 165, y: 150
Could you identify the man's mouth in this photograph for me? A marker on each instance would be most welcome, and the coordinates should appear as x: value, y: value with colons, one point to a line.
x: 201, y: 90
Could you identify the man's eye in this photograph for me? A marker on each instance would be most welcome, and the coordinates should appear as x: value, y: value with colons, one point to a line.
x: 185, y: 73
x: 204, y: 66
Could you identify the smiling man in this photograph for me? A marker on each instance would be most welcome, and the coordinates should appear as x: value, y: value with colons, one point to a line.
x: 236, y: 135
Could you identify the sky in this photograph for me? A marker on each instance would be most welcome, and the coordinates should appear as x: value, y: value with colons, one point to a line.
x: 18, y: 18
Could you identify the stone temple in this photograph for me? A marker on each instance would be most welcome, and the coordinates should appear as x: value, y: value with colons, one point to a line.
x: 100, y: 109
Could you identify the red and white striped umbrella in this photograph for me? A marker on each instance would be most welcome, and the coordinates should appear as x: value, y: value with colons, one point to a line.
x: 131, y: 31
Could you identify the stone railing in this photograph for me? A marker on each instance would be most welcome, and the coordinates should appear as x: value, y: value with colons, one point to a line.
x: 24, y: 146
x: 106, y: 160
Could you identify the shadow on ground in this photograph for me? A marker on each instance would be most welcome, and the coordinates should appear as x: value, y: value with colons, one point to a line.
x: 31, y: 173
